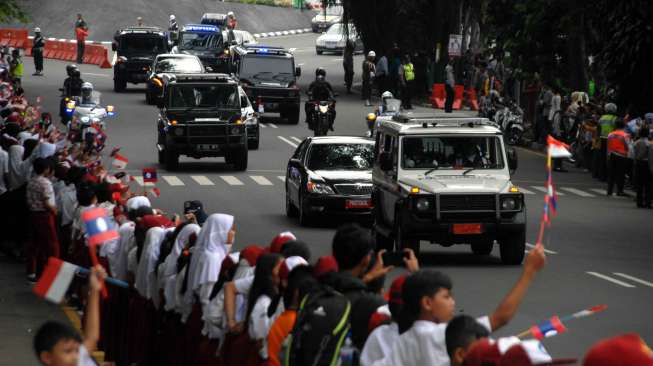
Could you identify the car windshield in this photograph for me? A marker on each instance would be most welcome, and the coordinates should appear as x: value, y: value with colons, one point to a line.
x: 451, y: 152
x: 341, y: 157
x: 200, y: 41
x: 140, y: 44
x: 334, y: 10
x: 267, y: 68
x: 241, y: 37
x: 179, y: 65
x: 220, y: 96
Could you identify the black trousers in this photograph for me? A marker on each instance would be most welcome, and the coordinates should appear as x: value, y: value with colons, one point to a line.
x: 448, y: 104
x: 381, y: 83
x: 367, y: 89
x: 643, y: 184
x: 407, y: 95
x: 81, y: 45
x: 616, y: 173
x: 38, y: 59
x: 349, y: 77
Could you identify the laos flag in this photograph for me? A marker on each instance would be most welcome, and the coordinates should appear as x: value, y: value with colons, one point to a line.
x: 149, y: 175
x: 97, y: 226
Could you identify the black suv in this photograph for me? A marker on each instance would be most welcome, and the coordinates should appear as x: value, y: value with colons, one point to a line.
x: 204, y: 41
x: 136, y: 48
x: 269, y: 77
x: 200, y: 116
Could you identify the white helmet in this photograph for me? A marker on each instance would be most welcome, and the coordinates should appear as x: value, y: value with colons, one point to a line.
x: 172, y: 17
x: 387, y: 95
x: 230, y: 14
x: 371, y: 54
x: 87, y: 90
x: 37, y: 30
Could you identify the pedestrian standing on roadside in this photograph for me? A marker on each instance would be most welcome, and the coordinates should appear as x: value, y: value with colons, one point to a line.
x: 348, y: 64
x: 81, y: 32
x: 16, y: 68
x: 369, y: 72
x: 641, y: 152
x: 450, y: 82
x: 544, y: 105
x: 618, y: 144
x: 232, y: 23
x: 382, y: 74
x: 606, y: 125
x: 139, y: 21
x: 37, y: 51
x: 407, y: 79
x: 173, y: 29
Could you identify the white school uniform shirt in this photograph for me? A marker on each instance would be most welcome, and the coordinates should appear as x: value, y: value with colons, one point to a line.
x: 243, y: 286
x: 260, y: 323
x: 85, y: 358
x: 66, y: 204
x: 379, y: 343
x: 423, y: 345
x: 132, y: 261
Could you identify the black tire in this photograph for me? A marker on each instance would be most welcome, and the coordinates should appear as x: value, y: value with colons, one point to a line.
x: 482, y: 247
x: 239, y: 159
x: 119, y: 85
x: 401, y: 241
x: 291, y: 210
x: 512, y: 249
x: 253, y: 144
x: 171, y: 159
x: 162, y: 156
x: 319, y: 52
x: 305, y: 218
x: 293, y: 116
x: 148, y: 97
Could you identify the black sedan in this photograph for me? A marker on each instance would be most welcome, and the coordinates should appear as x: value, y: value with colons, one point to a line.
x: 170, y: 64
x: 330, y: 175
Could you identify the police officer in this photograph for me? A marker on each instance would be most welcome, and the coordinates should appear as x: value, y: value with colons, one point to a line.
x: 407, y: 80
x: 369, y: 71
x: 320, y: 90
x: 173, y: 29
x: 618, y: 144
x: 37, y: 51
x: 348, y: 64
x: 606, y: 125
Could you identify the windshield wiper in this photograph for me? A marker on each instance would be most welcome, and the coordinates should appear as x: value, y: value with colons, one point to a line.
x: 468, y: 170
x: 256, y: 76
x: 431, y: 171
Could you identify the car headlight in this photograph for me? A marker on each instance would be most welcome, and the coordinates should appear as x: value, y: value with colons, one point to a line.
x: 509, y: 204
x: 423, y: 204
x: 179, y: 131
x: 318, y: 187
x: 320, y: 42
x: 236, y: 130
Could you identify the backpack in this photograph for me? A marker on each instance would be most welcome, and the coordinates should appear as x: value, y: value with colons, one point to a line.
x: 323, y: 323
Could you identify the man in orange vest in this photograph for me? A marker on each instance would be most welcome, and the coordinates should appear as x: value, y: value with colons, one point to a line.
x: 81, y: 32
x: 618, y: 146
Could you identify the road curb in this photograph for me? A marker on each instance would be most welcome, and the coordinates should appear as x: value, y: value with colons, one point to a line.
x: 283, y: 33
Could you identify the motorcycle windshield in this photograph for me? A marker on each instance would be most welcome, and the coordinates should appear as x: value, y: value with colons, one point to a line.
x: 392, y: 105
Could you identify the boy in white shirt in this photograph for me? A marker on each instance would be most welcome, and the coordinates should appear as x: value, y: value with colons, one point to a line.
x: 429, y: 305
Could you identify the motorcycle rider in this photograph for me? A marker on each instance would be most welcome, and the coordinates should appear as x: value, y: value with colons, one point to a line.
x: 385, y: 97
x: 72, y: 87
x: 320, y: 90
x: 173, y: 29
x: 87, y: 93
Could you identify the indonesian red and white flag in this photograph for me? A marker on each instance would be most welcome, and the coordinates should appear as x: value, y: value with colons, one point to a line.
x: 119, y: 161
x: 55, y: 280
x: 557, y: 149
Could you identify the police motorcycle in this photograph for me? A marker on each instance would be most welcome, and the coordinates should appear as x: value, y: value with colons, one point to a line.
x: 87, y: 121
x: 70, y: 94
x: 320, y: 113
x: 507, y: 114
x: 388, y: 108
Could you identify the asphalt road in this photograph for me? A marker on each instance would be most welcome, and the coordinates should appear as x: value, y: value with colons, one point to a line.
x: 599, y: 248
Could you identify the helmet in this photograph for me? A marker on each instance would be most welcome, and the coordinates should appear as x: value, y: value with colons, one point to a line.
x: 70, y: 68
x: 87, y: 90
x: 610, y: 108
x: 230, y: 14
x: 387, y: 95
x: 371, y: 117
x: 371, y: 54
x: 76, y: 73
x: 320, y: 77
x: 37, y: 30
x: 320, y: 71
x: 172, y: 17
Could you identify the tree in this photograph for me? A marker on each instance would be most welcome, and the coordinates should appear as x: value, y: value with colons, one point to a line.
x: 9, y: 11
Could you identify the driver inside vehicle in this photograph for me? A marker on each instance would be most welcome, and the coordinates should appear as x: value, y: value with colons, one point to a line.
x: 415, y: 156
x: 468, y: 156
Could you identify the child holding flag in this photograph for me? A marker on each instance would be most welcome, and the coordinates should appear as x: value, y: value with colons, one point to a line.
x: 57, y: 344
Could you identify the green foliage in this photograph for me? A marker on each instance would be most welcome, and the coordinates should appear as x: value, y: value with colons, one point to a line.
x: 10, y: 11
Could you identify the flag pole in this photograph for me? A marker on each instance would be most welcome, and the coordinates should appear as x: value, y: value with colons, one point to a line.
x: 540, y: 234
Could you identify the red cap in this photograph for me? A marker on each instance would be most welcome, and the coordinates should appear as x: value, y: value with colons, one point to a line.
x: 325, y: 265
x: 150, y: 221
x: 517, y: 355
x: 395, y: 290
x: 289, y: 264
x: 627, y: 349
x: 377, y: 319
x: 251, y: 254
x: 280, y: 240
x: 483, y: 353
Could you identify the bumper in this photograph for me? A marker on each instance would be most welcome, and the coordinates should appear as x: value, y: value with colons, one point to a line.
x: 335, y: 205
x: 276, y: 104
x: 206, y: 147
x: 320, y: 26
x: 129, y: 74
x: 329, y: 49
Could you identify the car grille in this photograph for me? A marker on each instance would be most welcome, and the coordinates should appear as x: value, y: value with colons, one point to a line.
x: 353, y: 189
x: 477, y: 202
x: 207, y: 130
x: 137, y: 66
x: 270, y: 92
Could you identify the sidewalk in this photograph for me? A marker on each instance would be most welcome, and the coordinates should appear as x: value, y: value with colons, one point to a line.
x: 21, y: 313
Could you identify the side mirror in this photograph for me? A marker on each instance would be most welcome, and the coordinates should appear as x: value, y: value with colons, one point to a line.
x: 512, y: 160
x: 385, y: 162
x: 114, y: 46
x: 208, y: 69
x: 298, y: 71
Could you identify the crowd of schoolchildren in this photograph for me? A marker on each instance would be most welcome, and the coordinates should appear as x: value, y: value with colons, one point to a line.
x: 195, y: 300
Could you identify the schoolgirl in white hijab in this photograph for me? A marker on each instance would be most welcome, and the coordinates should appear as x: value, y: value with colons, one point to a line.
x: 168, y: 273
x: 147, y: 263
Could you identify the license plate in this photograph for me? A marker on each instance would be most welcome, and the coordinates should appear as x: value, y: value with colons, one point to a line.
x: 271, y: 106
x: 203, y: 147
x: 358, y: 204
x: 331, y: 45
x: 467, y: 229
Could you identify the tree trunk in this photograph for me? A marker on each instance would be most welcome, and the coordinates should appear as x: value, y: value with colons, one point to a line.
x: 576, y: 47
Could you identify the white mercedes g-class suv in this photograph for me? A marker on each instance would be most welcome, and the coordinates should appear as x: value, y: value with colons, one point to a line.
x: 446, y: 179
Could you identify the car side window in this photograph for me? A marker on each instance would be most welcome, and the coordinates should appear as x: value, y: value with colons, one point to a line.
x: 299, y: 151
x: 378, y: 145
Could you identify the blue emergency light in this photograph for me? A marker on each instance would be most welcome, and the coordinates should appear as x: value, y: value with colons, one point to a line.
x: 201, y: 28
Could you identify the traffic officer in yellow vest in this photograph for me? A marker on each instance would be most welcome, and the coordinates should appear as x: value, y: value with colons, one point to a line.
x: 407, y: 79
x: 606, y: 125
x: 618, y: 144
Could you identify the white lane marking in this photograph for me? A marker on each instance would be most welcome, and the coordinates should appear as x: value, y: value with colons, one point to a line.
x: 300, y: 64
x: 140, y: 182
x: 525, y: 191
x: 610, y: 279
x: 577, y: 192
x: 544, y: 190
x: 292, y: 49
x: 336, y: 60
x: 231, y: 180
x: 547, y: 251
x: 263, y: 125
x: 101, y: 75
x: 202, y: 180
x: 600, y: 191
x: 296, y: 139
x: 287, y: 141
x: 634, y: 279
x: 282, y: 178
x: 261, y: 180
x: 172, y: 180
x: 272, y: 125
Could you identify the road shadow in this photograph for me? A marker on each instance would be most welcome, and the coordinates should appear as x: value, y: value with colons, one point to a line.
x: 457, y: 259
